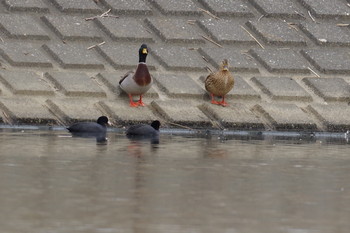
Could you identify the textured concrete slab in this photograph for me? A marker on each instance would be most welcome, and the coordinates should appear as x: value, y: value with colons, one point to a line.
x: 330, y: 89
x: 226, y: 31
x: 22, y: 27
x: 122, y: 114
x: 326, y: 34
x: 184, y: 7
x: 236, y: 116
x: 175, y: 30
x: 265, y: 41
x: 233, y: 8
x: 72, y: 28
x: 75, y: 57
x: 25, y: 83
x: 326, y: 9
x: 276, y: 32
x: 25, y: 111
x: 124, y: 29
x: 74, y: 109
x: 242, y: 90
x: 179, y: 85
x: 238, y: 60
x: 179, y: 58
x: 111, y: 80
x: 24, y: 55
x: 278, y: 9
x: 126, y: 7
x: 76, y: 6
x: 333, y: 117
x: 181, y: 112
x: 282, y: 88
x: 281, y: 60
x: 285, y: 116
x: 26, y: 6
x: 329, y: 61
x: 75, y: 84
x: 125, y: 56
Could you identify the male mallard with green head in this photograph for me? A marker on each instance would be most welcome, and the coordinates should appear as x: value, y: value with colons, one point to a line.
x: 220, y: 83
x: 138, y: 82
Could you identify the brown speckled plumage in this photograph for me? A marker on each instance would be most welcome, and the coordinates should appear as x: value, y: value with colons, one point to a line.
x: 220, y: 83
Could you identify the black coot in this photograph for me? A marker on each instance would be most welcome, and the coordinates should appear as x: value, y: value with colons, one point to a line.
x: 99, y: 127
x: 143, y: 130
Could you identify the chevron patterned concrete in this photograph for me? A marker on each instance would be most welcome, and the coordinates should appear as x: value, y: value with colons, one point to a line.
x: 61, y: 61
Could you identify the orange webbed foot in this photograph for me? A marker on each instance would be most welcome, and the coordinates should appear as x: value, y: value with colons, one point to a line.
x: 223, y: 104
x: 132, y: 103
x: 213, y: 101
x: 140, y: 102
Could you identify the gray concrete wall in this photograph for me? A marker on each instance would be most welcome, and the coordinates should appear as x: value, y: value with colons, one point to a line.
x: 290, y: 59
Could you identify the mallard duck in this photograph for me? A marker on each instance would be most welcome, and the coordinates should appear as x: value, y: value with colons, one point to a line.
x: 220, y: 83
x: 90, y: 127
x: 138, y: 82
x: 144, y: 130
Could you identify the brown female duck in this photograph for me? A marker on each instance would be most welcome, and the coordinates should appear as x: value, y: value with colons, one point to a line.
x: 220, y: 83
x: 138, y: 82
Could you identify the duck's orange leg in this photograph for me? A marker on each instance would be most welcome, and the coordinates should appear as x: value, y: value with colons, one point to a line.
x: 213, y: 101
x: 140, y: 103
x: 223, y: 102
x: 132, y: 103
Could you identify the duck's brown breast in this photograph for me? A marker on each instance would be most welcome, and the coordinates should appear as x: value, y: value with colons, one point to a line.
x: 142, y: 76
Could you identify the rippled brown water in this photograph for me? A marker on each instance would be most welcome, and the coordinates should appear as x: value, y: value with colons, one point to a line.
x: 50, y: 183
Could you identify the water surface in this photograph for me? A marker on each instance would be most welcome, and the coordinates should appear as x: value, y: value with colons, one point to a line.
x: 52, y: 183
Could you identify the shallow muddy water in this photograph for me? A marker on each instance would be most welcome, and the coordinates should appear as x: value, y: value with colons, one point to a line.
x: 52, y: 183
